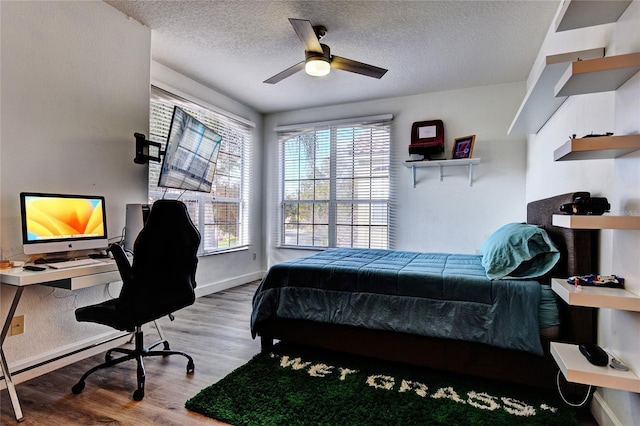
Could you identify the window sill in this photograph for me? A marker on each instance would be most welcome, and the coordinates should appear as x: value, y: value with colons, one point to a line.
x: 223, y: 251
x: 310, y: 248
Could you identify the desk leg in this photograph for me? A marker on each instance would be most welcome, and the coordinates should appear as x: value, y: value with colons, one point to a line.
x: 3, y: 361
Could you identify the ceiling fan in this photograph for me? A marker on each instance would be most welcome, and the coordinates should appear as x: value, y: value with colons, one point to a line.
x: 318, y: 59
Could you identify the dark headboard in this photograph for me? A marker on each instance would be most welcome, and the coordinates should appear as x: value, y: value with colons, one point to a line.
x: 579, y: 248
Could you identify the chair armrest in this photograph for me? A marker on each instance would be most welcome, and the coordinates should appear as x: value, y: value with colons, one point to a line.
x: 124, y: 267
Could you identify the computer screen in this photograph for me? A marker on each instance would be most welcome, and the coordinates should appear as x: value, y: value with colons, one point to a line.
x: 191, y: 154
x: 53, y: 223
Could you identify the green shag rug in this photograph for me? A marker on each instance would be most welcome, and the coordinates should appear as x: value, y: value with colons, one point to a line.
x: 302, y: 386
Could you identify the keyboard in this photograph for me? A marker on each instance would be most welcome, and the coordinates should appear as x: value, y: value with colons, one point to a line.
x: 74, y: 263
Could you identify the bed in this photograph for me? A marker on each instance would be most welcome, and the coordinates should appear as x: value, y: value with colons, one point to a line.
x: 491, y: 315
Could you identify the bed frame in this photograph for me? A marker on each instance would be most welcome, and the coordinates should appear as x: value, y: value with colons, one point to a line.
x: 578, y: 324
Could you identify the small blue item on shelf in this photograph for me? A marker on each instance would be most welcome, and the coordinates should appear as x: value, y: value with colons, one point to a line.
x: 595, y: 280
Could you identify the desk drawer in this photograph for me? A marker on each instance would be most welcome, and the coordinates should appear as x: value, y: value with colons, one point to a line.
x: 85, y: 281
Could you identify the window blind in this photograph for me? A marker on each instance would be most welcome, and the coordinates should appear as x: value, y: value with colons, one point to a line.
x: 221, y: 216
x: 334, y: 184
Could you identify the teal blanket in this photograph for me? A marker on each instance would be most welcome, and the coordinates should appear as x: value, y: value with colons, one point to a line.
x: 432, y: 294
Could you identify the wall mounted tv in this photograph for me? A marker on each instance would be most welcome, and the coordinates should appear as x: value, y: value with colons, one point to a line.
x: 190, y: 155
x: 53, y: 223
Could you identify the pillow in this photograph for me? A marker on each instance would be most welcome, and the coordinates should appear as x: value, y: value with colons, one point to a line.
x: 518, y: 250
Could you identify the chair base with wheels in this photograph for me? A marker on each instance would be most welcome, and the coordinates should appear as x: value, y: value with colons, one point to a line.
x: 138, y: 353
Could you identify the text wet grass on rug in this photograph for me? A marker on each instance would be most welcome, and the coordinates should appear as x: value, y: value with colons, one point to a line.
x: 300, y: 386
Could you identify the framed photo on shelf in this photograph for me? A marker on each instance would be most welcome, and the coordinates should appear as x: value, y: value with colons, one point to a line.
x: 463, y: 147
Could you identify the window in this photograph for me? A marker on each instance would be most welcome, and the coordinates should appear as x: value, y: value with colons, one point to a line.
x: 334, y: 184
x: 222, y: 215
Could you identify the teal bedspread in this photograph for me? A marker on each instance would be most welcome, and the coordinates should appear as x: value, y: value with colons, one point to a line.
x: 432, y: 294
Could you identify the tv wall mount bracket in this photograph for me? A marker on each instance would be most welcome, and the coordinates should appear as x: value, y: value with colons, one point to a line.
x: 144, y: 148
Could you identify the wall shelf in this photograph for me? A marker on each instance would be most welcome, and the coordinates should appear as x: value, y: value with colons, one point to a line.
x: 581, y: 14
x: 582, y: 76
x: 539, y: 103
x: 601, y: 147
x: 577, y: 369
x: 597, y: 75
x: 596, y: 222
x: 469, y: 162
x: 596, y: 297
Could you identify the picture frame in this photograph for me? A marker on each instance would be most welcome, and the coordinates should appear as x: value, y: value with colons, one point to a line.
x: 463, y: 147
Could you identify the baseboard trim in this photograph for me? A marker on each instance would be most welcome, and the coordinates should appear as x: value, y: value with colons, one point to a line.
x: 214, y: 287
x: 602, y: 413
x: 45, y: 363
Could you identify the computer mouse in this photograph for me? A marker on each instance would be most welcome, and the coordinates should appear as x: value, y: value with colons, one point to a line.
x: 594, y: 354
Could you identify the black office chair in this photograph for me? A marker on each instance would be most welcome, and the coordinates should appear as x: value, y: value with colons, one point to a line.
x: 161, y: 281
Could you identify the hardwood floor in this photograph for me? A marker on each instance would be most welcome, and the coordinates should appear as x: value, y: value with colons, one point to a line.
x: 214, y: 331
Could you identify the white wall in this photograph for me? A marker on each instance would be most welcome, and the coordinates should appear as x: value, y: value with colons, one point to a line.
x: 445, y: 216
x: 618, y: 180
x: 75, y: 87
x: 221, y: 271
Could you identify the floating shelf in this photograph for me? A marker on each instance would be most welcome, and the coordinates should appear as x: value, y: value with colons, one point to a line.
x: 597, y: 75
x: 581, y: 14
x: 539, y: 103
x: 596, y: 297
x: 577, y: 369
x: 469, y: 162
x: 596, y: 222
x: 597, y: 148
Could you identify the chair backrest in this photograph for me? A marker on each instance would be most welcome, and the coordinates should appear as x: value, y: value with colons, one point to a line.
x: 164, y: 264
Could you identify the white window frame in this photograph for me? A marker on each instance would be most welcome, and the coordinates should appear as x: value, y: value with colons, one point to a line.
x: 325, y: 191
x: 238, y: 143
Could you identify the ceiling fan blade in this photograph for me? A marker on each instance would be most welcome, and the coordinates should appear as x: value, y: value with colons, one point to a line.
x: 350, y: 65
x: 286, y: 73
x: 307, y: 35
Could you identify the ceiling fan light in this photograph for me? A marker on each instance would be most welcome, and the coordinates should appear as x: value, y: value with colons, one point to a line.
x: 317, y: 67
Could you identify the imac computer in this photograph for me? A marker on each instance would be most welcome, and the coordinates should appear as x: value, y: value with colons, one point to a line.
x: 56, y: 223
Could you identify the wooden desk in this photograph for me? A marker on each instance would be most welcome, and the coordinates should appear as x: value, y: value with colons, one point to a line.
x: 70, y: 278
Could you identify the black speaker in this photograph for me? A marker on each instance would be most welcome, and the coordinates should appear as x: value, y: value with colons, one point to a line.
x: 586, y: 206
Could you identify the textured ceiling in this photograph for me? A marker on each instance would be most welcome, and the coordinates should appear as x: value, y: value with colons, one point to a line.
x: 427, y: 46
